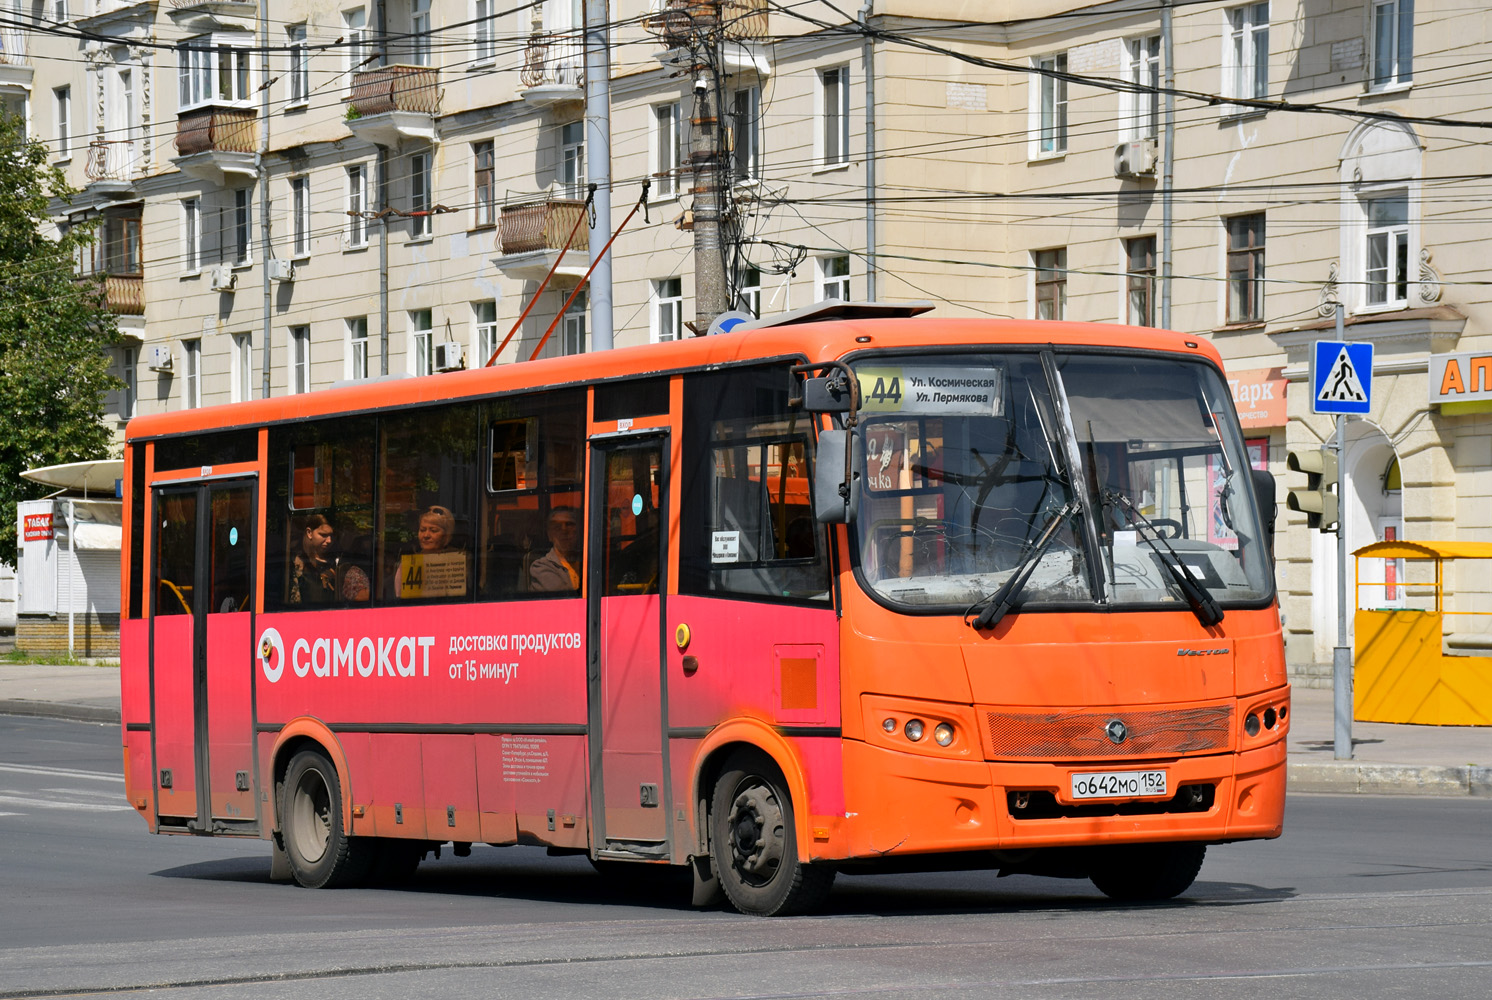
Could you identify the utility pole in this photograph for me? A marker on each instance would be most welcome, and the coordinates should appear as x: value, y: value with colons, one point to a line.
x: 262, y: 176
x: 598, y: 167
x: 710, y: 287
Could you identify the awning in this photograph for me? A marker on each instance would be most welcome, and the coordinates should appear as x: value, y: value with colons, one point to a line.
x: 1426, y: 550
x: 97, y: 476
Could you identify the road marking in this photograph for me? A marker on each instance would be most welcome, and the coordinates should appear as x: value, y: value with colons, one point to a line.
x: 35, y: 803
x: 63, y: 772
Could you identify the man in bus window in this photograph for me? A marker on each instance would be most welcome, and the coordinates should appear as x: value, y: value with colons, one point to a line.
x: 558, y: 570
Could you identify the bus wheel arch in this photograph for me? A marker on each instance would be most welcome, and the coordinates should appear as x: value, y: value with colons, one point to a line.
x: 307, y: 733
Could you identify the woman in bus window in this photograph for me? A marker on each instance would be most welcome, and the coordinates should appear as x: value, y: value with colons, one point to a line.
x: 314, y: 573
x: 437, y: 568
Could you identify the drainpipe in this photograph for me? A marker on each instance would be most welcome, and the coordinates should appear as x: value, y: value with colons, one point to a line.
x: 262, y: 176
x: 382, y: 185
x: 868, y: 57
x: 1168, y: 164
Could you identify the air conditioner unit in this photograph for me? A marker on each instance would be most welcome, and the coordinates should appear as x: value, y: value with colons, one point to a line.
x: 281, y: 270
x: 222, y: 278
x: 1135, y: 158
x: 158, y: 357
x: 448, y: 356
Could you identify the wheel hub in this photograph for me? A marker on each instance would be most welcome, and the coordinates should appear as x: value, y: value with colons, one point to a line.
x: 756, y: 834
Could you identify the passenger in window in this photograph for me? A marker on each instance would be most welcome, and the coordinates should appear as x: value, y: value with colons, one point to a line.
x: 437, y: 567
x: 437, y: 525
x: 557, y: 571
x: 313, y: 575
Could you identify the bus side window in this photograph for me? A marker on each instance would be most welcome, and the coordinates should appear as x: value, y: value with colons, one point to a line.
x: 748, y: 527
x: 428, y: 468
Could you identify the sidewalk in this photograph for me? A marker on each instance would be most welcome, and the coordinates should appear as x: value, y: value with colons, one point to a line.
x: 1387, y: 759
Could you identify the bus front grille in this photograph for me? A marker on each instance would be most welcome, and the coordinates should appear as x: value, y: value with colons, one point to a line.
x: 1092, y: 735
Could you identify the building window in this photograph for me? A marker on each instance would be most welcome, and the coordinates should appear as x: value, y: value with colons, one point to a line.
x: 355, y: 33
x: 62, y: 102
x: 300, y: 359
x: 746, y: 135
x: 1139, y: 112
x: 749, y: 291
x: 668, y: 309
x: 300, y: 65
x: 211, y: 71
x: 1246, y: 269
x: 191, y: 234
x: 419, y: 195
x: 834, y: 278
x: 1139, y: 281
x: 1246, y: 66
x: 191, y: 374
x: 482, y: 29
x: 1049, y: 114
x: 572, y: 327
x: 1393, y: 43
x: 300, y: 216
x: 667, y: 151
x: 484, y: 330
x: 129, y: 374
x: 242, y: 368
x: 572, y: 159
x: 1387, y: 272
x: 421, y: 342
x: 419, y: 27
x: 243, y: 228
x: 485, y: 195
x: 357, y: 202
x: 1051, y: 283
x: 357, y: 348
x: 834, y: 116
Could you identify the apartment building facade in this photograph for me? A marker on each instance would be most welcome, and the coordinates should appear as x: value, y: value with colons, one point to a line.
x: 303, y: 193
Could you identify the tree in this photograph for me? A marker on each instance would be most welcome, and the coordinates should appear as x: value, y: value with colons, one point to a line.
x: 54, y: 330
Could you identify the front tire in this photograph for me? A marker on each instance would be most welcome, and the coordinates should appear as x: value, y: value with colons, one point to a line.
x: 755, y: 845
x: 321, y: 854
x: 1147, y: 873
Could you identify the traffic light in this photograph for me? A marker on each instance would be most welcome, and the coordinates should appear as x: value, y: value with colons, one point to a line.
x: 1319, y: 498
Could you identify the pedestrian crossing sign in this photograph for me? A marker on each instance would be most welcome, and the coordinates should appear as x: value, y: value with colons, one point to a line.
x: 1341, y: 377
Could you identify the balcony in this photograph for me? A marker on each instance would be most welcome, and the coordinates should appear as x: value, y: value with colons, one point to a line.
x: 391, y: 103
x: 531, y: 234
x: 743, y: 23
x: 15, y: 62
x: 217, y: 143
x: 124, y: 294
x: 201, y: 17
x: 553, y: 65
x: 112, y: 167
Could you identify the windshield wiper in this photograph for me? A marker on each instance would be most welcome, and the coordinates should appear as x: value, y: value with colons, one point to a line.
x: 1202, y: 603
x: 997, y: 604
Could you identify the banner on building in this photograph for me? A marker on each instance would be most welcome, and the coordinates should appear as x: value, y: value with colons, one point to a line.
x: 1461, y: 378
x: 1259, y: 395
x: 36, y: 528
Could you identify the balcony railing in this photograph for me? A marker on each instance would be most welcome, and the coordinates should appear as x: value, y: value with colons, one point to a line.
x: 554, y: 59
x: 395, y: 88
x: 13, y: 48
x: 124, y: 294
x: 112, y: 160
x: 740, y: 20
x: 531, y: 226
x: 213, y: 129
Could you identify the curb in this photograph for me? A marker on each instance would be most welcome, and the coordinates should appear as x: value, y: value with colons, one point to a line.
x: 1351, y: 777
x: 59, y: 710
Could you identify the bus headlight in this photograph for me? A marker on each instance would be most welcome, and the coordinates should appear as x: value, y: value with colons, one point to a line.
x: 943, y: 734
x: 889, y: 724
x: 914, y: 729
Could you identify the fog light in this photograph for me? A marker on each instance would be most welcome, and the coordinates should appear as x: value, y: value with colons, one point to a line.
x: 1251, y: 724
x: 943, y: 734
x: 914, y: 729
x: 889, y: 725
x: 1269, y: 718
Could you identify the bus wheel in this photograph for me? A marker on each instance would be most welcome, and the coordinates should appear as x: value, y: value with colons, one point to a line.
x: 1147, y: 872
x: 321, y: 854
x: 754, y: 843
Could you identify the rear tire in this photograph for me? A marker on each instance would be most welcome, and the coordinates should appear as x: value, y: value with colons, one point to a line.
x: 1144, y: 873
x: 754, y: 842
x: 321, y: 854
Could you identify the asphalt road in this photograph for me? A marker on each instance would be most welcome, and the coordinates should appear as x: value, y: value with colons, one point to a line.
x: 1363, y: 897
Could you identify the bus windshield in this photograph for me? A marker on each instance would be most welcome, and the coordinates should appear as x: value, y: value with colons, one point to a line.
x: 1104, y: 475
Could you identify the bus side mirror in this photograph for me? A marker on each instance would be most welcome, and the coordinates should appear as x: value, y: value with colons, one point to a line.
x: 827, y: 393
x: 836, y: 485
x: 1264, y: 498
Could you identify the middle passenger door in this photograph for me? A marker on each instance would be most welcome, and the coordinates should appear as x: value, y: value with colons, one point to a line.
x: 627, y: 536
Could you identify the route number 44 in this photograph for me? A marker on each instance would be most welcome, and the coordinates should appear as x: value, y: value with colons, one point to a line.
x: 886, y: 390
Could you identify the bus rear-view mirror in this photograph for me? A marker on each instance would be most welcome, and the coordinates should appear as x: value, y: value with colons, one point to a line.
x: 836, y: 485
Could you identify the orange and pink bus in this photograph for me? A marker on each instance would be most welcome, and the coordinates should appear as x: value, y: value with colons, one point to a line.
x: 849, y: 595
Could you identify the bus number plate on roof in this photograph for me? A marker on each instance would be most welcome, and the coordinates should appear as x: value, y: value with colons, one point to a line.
x: 1118, y: 784
x: 933, y: 390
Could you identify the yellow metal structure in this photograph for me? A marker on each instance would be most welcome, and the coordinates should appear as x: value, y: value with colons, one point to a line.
x: 1402, y: 672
